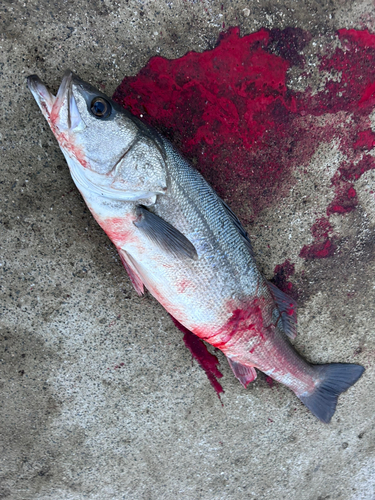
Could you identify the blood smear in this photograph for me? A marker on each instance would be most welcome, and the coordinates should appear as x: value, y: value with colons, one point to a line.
x: 230, y: 111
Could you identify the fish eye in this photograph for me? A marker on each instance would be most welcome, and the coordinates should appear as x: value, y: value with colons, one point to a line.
x: 100, y: 107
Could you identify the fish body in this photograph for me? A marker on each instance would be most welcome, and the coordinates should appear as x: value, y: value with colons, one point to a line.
x: 178, y: 239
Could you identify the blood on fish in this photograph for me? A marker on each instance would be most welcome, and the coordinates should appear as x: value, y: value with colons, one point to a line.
x: 244, y: 323
x: 182, y: 286
x: 68, y: 144
x: 66, y: 140
x: 117, y: 228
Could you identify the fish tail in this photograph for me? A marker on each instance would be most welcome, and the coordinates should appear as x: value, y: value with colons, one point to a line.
x: 335, y: 379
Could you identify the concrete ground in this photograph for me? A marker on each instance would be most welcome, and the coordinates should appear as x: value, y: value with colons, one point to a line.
x: 99, y: 396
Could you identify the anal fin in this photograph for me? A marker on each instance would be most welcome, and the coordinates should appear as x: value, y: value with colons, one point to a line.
x: 245, y: 374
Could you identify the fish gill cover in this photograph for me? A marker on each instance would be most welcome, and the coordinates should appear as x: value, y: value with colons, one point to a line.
x: 230, y: 111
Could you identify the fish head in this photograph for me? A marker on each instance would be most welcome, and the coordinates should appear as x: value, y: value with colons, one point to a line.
x: 95, y: 134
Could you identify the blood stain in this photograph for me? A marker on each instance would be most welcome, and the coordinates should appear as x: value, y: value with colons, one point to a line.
x: 324, y: 243
x: 230, y: 111
x: 270, y: 381
x: 282, y: 273
x: 199, y: 351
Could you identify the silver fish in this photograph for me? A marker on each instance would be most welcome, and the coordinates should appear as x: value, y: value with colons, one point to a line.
x: 176, y: 237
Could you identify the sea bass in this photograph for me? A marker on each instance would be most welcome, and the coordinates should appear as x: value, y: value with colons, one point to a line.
x: 178, y: 239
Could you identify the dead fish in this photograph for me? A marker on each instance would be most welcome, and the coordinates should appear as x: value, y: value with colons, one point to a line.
x: 178, y: 239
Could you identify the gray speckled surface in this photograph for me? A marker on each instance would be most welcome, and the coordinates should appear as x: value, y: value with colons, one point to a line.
x: 71, y: 425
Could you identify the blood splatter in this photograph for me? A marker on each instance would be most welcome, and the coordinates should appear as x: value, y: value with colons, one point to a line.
x: 282, y: 273
x: 270, y: 381
x: 199, y: 351
x: 345, y: 199
x: 365, y: 140
x: 227, y: 109
x: 230, y: 111
x: 324, y: 243
x: 319, y: 250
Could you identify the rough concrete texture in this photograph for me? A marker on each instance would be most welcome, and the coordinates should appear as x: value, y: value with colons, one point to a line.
x: 99, y: 396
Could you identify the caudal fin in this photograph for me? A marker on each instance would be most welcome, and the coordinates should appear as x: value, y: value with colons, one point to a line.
x: 336, y: 378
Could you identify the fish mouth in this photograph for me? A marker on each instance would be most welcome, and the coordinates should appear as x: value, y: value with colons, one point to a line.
x: 51, y: 105
x: 43, y: 96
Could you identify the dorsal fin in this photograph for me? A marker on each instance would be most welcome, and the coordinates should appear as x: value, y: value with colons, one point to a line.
x: 239, y: 226
x: 288, y: 310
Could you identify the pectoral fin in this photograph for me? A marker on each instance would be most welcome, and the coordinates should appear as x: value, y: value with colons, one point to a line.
x: 167, y: 237
x: 245, y: 374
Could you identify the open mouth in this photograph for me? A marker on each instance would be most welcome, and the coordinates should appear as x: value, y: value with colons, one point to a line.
x: 51, y: 105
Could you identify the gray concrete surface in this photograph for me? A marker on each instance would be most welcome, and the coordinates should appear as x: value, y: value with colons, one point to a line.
x: 72, y: 426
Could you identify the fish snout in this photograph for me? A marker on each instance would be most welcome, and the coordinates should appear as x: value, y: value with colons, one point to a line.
x: 43, y: 96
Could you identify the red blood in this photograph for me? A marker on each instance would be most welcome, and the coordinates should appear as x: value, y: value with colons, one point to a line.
x: 199, y: 351
x: 182, y: 286
x: 243, y: 323
x: 319, y: 250
x: 345, y: 200
x: 230, y: 111
x: 323, y: 245
x: 353, y: 171
x: 363, y: 38
x: 366, y: 140
x: 321, y: 229
x: 282, y: 273
x: 67, y: 141
x: 270, y: 381
x: 117, y: 228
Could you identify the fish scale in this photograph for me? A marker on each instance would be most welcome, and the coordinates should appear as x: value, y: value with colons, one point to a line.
x: 228, y: 252
x: 178, y: 239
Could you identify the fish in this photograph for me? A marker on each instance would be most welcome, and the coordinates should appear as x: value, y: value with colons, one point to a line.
x: 178, y: 239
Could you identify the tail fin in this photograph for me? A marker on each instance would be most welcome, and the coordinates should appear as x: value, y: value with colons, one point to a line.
x: 335, y: 379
